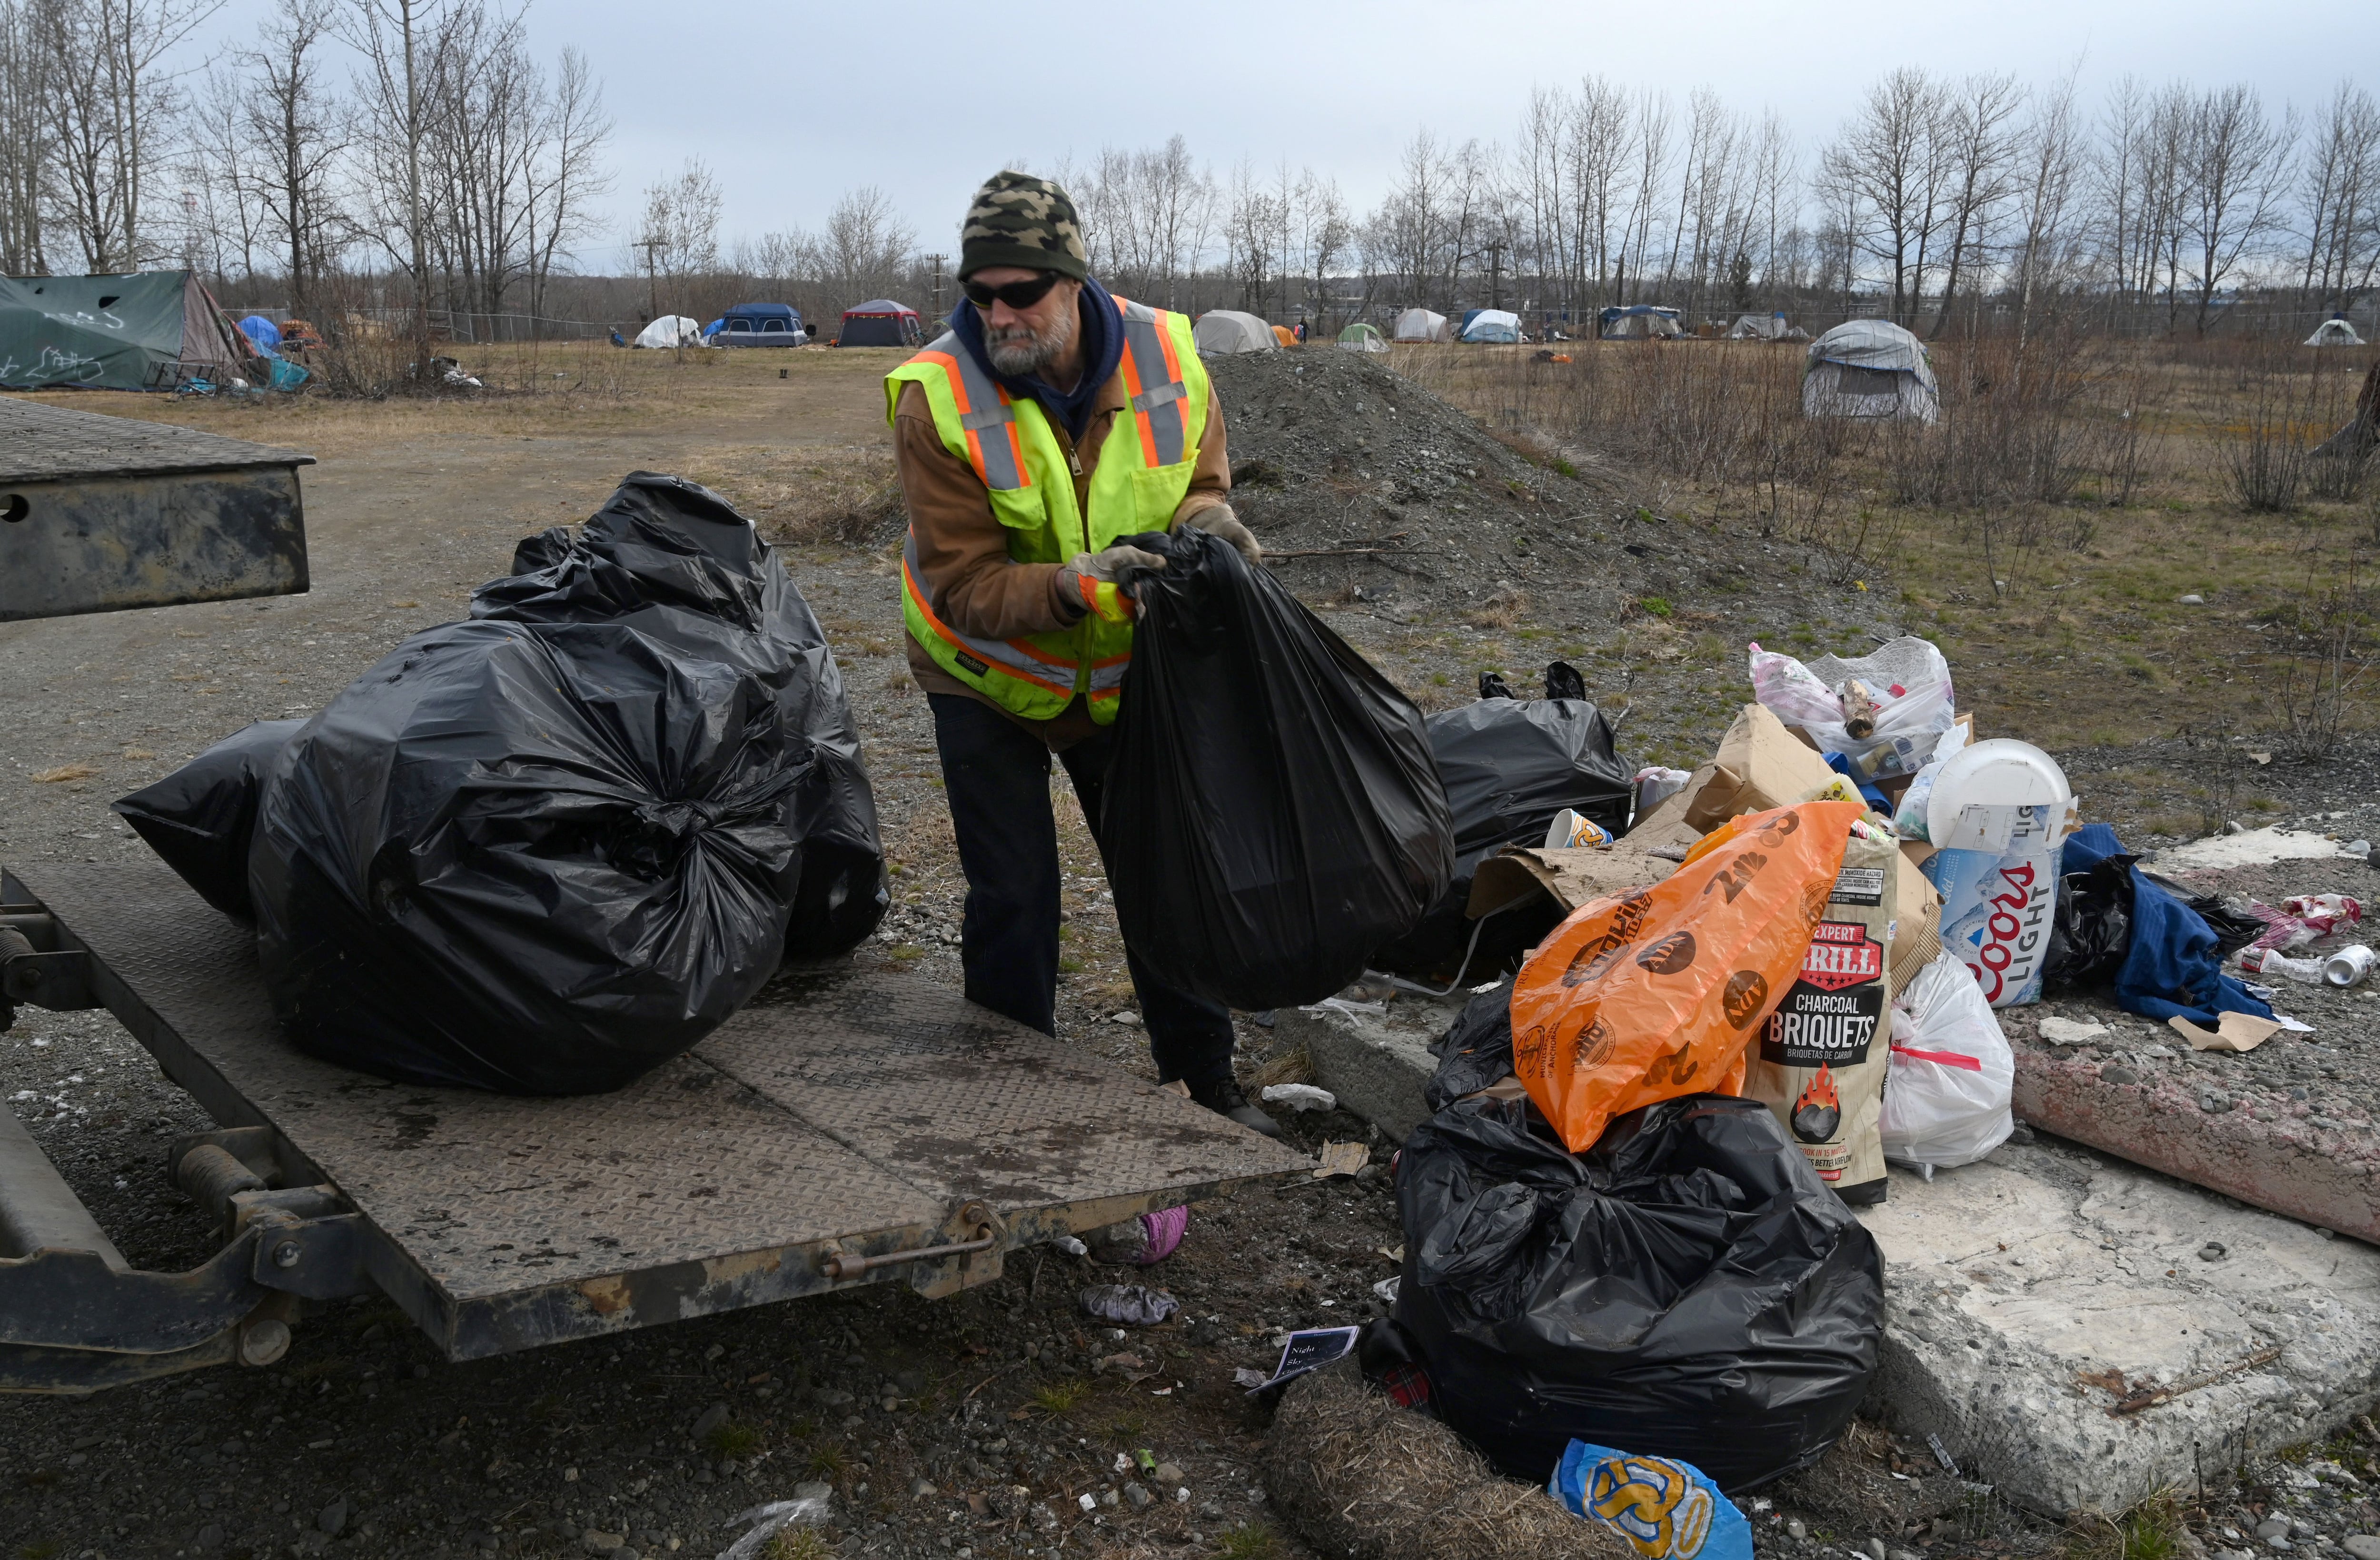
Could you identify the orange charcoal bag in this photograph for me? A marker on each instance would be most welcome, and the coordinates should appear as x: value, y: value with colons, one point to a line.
x: 1633, y: 1000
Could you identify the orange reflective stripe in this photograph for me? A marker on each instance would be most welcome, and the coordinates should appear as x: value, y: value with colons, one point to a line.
x: 1130, y: 364
x: 1001, y: 655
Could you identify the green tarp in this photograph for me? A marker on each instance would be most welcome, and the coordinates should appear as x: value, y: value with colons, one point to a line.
x: 112, y: 332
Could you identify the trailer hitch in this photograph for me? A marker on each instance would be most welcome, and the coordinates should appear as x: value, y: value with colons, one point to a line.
x: 75, y: 1316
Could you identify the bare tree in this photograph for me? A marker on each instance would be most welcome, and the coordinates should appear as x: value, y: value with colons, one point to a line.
x: 26, y: 149
x: 1885, y: 167
x: 679, y: 234
x: 566, y: 175
x: 396, y: 39
x: 2048, y: 171
x: 2235, y: 175
x: 289, y: 115
x: 1978, y: 126
x: 110, y: 101
x: 2341, y: 197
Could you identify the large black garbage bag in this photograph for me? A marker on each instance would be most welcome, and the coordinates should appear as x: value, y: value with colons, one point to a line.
x: 1687, y: 1288
x: 676, y: 562
x: 546, y: 849
x: 1273, y: 815
x: 201, y: 818
x: 1508, y: 766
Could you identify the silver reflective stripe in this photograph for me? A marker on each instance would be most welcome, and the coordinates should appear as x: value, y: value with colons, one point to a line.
x: 989, y: 417
x: 1105, y: 677
x: 1159, y: 404
x: 998, y: 653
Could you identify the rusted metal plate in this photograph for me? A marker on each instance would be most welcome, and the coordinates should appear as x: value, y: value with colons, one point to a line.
x: 100, y: 514
x: 854, y: 1118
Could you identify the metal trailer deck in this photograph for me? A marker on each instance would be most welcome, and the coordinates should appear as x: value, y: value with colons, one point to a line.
x: 852, y: 1129
x: 98, y: 514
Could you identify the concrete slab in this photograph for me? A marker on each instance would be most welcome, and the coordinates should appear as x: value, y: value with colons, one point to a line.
x: 2082, y: 1333
x: 2253, y: 847
x: 2080, y: 1330
x: 1376, y: 1065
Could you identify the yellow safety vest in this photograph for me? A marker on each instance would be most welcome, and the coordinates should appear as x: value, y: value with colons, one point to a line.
x: 1142, y: 476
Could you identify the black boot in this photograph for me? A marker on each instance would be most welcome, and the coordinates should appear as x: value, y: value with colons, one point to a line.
x: 1224, y: 1099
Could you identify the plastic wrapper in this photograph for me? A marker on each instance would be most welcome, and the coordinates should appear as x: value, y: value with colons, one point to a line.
x: 1665, y: 1508
x: 201, y: 817
x: 1273, y: 814
x: 1686, y: 1289
x: 547, y: 849
x: 1655, y: 996
x: 1952, y: 1074
x: 1510, y: 767
x: 1910, y: 700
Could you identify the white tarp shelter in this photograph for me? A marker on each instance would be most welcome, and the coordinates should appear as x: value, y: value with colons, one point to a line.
x: 671, y: 330
x: 1228, y: 329
x: 1493, y: 325
x: 1757, y: 327
x: 1872, y: 369
x: 1420, y: 324
x: 2333, y: 332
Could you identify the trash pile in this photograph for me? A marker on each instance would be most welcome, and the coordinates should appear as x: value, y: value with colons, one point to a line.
x: 1630, y: 1249
x: 547, y: 849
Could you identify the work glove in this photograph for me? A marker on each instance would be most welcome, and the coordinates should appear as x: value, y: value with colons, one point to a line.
x: 1098, y: 576
x: 1221, y: 523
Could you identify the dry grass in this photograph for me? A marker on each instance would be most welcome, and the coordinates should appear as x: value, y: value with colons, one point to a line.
x: 835, y: 494
x: 2044, y: 534
x: 66, y: 772
x: 1359, y: 1477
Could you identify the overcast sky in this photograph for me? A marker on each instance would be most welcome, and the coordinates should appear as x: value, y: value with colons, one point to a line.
x: 790, y: 106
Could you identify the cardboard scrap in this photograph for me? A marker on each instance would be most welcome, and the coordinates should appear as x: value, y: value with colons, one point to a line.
x: 2234, y: 1032
x: 1341, y: 1159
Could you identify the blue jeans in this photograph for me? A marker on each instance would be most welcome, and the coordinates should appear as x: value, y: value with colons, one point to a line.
x: 997, y: 776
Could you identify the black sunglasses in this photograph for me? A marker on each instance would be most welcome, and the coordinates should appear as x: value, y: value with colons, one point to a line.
x: 1016, y: 295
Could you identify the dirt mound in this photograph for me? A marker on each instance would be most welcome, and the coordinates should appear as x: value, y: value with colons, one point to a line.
x: 1364, y: 485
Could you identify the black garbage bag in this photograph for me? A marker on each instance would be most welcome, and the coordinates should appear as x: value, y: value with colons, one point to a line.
x: 1273, y: 814
x: 1508, y: 766
x: 1687, y: 1288
x: 1475, y: 1051
x: 546, y: 849
x: 676, y: 562
x: 201, y: 818
x: 2092, y: 930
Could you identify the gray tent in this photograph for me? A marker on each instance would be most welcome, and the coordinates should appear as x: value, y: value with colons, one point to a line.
x: 1229, y: 330
x: 1420, y: 325
x: 1872, y: 369
x: 127, y: 331
x: 1757, y: 327
x: 2333, y: 332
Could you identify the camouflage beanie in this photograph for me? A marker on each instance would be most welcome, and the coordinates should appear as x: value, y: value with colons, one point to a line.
x: 1019, y: 220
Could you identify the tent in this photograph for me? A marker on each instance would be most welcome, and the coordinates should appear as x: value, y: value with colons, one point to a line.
x: 1493, y: 325
x: 1284, y: 336
x: 1759, y: 327
x: 263, y: 333
x: 880, y: 323
x: 126, y: 332
x: 2333, y: 332
x: 1638, y: 322
x: 1360, y: 337
x: 1420, y: 324
x: 671, y: 330
x: 760, y: 325
x: 1223, y: 331
x: 1870, y: 368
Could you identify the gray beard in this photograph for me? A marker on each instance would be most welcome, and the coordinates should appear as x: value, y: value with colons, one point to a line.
x: 1017, y: 352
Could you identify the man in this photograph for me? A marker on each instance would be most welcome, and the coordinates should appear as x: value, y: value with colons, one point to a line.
x: 1051, y: 421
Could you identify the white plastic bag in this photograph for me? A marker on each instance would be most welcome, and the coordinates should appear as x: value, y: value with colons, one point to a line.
x: 1945, y: 1095
x: 1908, y: 679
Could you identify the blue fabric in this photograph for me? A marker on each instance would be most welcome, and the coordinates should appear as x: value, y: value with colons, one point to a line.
x: 1102, y: 350
x: 1874, y: 798
x: 262, y: 332
x: 2171, y: 970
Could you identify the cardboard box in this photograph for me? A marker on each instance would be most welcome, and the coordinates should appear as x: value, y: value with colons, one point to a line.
x: 1759, y: 764
x: 1917, y: 926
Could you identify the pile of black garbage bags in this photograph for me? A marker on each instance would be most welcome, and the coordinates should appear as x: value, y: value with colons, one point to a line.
x: 546, y: 848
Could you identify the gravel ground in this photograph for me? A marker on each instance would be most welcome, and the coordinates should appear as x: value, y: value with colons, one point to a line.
x: 969, y: 1427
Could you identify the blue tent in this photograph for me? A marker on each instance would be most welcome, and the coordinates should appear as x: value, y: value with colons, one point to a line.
x: 760, y: 325
x: 264, y: 333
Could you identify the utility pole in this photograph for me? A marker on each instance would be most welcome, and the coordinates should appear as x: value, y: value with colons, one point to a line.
x: 938, y: 260
x: 652, y: 284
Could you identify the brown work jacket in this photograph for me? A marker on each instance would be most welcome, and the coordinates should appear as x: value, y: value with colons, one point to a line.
x: 962, y: 560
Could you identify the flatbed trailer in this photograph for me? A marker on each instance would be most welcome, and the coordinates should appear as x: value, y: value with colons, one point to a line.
x: 849, y: 1127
